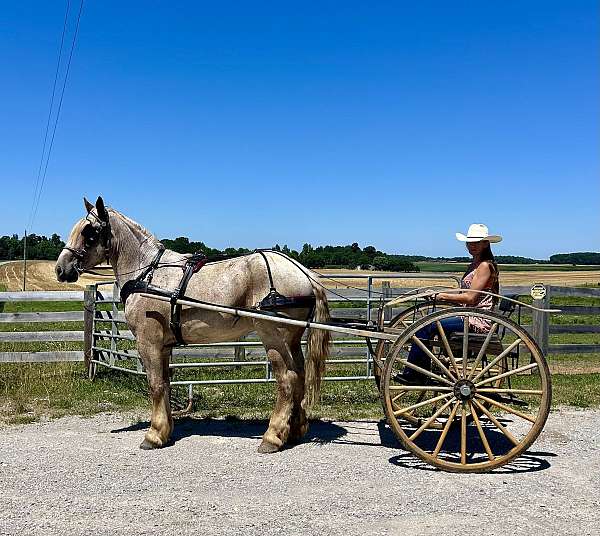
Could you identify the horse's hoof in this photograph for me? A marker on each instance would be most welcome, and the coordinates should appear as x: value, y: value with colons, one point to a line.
x: 146, y: 445
x: 267, y: 448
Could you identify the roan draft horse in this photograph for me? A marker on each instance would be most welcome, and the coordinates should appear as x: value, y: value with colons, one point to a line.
x: 105, y: 234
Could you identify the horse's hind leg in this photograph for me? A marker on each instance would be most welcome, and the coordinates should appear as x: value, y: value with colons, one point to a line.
x: 156, y: 361
x: 298, y: 421
x: 288, y: 381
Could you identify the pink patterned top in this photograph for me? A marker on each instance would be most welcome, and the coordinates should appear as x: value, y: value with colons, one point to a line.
x: 485, y: 301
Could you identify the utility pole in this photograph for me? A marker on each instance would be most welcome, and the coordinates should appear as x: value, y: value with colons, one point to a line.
x: 24, y: 259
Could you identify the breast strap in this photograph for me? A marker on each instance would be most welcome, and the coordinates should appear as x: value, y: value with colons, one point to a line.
x: 142, y: 283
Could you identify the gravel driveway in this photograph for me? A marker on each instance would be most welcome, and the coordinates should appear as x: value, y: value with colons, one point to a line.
x: 87, y: 476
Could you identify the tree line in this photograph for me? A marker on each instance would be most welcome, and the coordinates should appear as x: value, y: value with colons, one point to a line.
x: 350, y: 256
x: 583, y: 257
x: 38, y: 247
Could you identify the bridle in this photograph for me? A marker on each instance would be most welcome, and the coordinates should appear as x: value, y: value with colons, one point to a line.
x: 91, y: 234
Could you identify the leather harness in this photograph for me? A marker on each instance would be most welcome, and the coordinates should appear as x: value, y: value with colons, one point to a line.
x: 273, y: 301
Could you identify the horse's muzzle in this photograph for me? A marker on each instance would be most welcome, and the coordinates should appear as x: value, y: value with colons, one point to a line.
x: 66, y: 273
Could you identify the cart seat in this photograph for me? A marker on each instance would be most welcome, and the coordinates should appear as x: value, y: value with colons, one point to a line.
x: 476, y: 341
x: 506, y: 308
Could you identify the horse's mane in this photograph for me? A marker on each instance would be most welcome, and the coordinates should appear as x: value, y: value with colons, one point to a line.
x: 136, y: 227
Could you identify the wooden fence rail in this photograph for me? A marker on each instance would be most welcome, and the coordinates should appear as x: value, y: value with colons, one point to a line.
x: 541, y: 325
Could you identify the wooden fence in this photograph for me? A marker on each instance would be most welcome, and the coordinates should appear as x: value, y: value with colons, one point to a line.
x: 541, y: 326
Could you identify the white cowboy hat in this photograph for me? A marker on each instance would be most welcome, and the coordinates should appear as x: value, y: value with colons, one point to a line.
x: 478, y: 232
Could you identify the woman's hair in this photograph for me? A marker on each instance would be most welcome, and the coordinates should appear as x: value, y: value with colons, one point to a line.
x: 488, y: 256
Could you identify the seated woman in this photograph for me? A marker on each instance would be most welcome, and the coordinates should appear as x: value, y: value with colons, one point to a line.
x: 482, y: 274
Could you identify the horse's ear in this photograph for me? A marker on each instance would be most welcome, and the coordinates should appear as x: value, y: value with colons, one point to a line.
x: 102, y: 213
x: 88, y: 206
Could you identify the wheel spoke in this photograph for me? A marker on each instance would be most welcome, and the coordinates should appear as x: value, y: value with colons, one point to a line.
x: 399, y: 396
x: 500, y: 427
x: 465, y: 348
x: 431, y: 419
x: 436, y: 388
x: 484, y: 440
x: 432, y: 356
x: 421, y: 404
x: 445, y: 431
x: 463, y: 435
x: 509, y: 391
x: 506, y: 374
x: 447, y: 347
x: 500, y: 356
x: 483, y: 349
x: 506, y: 408
x: 425, y: 371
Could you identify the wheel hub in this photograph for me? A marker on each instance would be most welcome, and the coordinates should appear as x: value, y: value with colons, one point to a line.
x: 464, y: 389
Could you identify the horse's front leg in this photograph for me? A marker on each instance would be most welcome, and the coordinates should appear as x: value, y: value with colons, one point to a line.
x: 156, y: 361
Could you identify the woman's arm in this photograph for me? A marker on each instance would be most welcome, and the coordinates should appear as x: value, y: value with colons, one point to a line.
x: 468, y: 297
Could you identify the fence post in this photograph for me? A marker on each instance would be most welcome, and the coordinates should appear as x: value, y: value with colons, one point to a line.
x: 541, y: 322
x: 369, y: 293
x: 89, y: 298
x: 239, y: 352
x: 386, y: 290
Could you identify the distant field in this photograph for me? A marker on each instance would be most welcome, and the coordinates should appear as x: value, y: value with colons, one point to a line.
x: 507, y: 277
x: 461, y: 267
x: 40, y: 276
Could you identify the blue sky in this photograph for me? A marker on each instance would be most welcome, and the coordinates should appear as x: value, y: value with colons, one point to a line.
x: 253, y: 123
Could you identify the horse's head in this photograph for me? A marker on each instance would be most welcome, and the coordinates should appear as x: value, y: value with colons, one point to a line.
x: 88, y: 244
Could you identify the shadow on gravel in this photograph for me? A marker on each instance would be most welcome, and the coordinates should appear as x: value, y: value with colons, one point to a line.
x: 450, y: 451
x: 319, y: 431
x: 530, y: 462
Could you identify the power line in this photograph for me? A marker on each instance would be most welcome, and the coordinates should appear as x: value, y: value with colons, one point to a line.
x: 39, y: 173
x: 62, y: 94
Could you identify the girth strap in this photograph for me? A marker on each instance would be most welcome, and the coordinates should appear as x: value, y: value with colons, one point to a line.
x: 193, y: 265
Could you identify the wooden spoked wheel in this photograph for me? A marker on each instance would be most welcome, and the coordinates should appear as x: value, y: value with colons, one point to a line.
x: 482, y: 403
x: 398, y: 324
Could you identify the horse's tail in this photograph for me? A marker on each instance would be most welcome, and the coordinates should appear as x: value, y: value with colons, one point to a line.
x: 317, y: 349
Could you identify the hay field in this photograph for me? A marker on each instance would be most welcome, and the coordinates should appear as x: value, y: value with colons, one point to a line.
x: 40, y: 276
x: 525, y: 278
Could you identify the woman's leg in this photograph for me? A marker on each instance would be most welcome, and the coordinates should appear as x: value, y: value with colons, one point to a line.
x: 418, y: 357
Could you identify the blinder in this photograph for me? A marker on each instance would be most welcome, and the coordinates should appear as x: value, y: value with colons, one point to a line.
x: 91, y: 236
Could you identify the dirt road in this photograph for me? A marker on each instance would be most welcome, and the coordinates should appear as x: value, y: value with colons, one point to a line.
x: 80, y: 476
